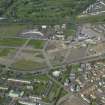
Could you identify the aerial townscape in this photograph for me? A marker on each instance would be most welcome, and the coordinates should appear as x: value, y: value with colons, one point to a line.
x: 52, y: 52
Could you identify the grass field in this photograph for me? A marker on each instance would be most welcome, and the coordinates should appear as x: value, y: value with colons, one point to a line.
x: 38, y: 44
x: 5, y: 51
x: 28, y: 65
x: 12, y: 29
x: 91, y: 19
x: 12, y: 42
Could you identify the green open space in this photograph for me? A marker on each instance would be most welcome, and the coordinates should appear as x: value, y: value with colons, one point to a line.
x: 5, y: 51
x: 30, y: 76
x: 19, y: 42
x: 11, y: 42
x: 7, y: 30
x: 70, y: 32
x: 39, y: 88
x: 75, y: 67
x: 37, y: 43
x: 28, y: 65
x: 91, y: 18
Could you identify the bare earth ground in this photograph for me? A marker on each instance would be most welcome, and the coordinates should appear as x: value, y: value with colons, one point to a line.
x: 73, y: 100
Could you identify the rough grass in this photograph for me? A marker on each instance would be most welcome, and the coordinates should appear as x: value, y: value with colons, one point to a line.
x: 5, y: 51
x: 28, y: 65
x: 37, y: 43
x: 91, y: 19
x: 11, y: 29
x: 11, y: 42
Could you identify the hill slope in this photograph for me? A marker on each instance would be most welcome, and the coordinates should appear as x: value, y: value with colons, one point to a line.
x: 43, y: 11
